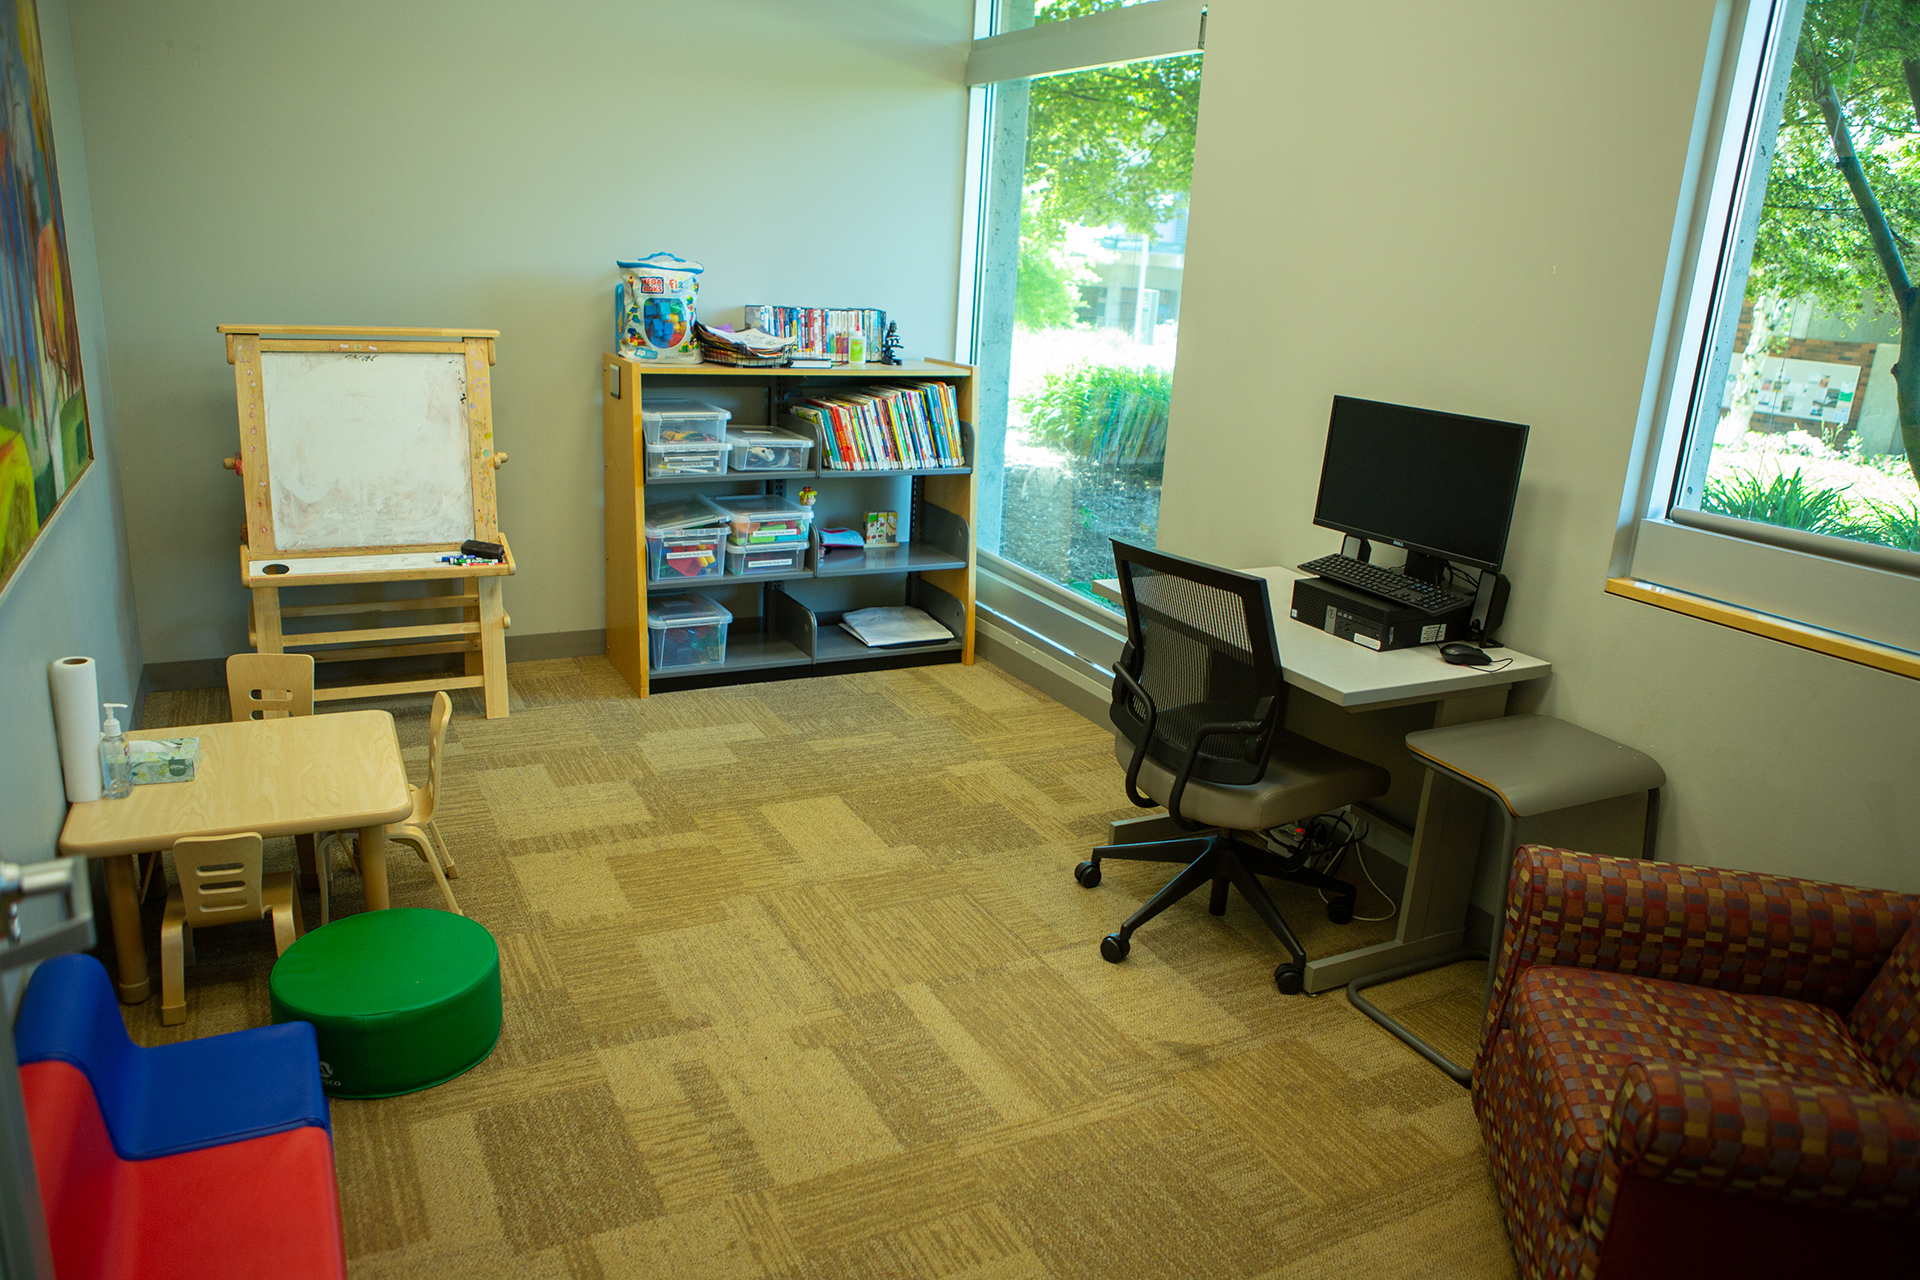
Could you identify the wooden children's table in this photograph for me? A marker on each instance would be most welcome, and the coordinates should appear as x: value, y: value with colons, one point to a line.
x: 292, y: 776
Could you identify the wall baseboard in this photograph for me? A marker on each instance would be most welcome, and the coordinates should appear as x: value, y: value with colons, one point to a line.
x: 557, y: 644
x: 1033, y: 665
x: 211, y: 673
x: 195, y: 673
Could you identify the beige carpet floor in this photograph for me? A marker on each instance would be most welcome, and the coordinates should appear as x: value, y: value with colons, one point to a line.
x: 798, y: 983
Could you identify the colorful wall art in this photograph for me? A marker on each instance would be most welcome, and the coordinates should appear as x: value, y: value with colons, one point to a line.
x: 44, y: 441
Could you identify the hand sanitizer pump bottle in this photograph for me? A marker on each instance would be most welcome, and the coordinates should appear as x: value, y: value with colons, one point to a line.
x: 116, y: 764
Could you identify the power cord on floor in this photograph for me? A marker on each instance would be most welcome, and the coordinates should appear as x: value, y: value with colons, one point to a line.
x: 1323, y: 842
x: 1393, y: 908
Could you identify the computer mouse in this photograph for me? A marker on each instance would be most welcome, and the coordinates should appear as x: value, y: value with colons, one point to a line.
x: 1462, y: 654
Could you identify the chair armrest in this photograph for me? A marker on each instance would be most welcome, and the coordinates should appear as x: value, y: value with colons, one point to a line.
x: 1704, y: 926
x: 1759, y: 1134
x: 1123, y: 680
x: 1244, y: 728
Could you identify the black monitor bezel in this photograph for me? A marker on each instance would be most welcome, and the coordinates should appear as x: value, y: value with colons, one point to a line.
x: 1506, y: 530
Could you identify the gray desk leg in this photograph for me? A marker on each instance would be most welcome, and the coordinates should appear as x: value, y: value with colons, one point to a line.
x: 1446, y: 845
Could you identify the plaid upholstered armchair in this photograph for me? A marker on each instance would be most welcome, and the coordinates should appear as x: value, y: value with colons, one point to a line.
x: 1696, y: 1072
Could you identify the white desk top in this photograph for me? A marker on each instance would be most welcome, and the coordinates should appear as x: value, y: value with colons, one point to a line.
x: 1348, y: 675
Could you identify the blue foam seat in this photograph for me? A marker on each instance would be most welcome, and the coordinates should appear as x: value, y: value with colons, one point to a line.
x: 176, y: 1097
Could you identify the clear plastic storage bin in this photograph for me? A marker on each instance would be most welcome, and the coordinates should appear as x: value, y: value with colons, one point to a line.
x: 677, y: 420
x: 684, y: 539
x: 761, y: 519
x: 745, y: 562
x: 673, y: 554
x: 687, y: 458
x: 686, y: 631
x: 769, y: 449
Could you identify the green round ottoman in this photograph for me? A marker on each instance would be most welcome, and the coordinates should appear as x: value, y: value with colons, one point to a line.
x: 402, y: 999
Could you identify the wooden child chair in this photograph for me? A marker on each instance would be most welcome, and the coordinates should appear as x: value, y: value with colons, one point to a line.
x: 266, y: 686
x: 419, y: 830
x: 220, y: 883
x: 270, y: 686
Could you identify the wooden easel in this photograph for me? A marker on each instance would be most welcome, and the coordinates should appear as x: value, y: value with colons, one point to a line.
x: 267, y: 568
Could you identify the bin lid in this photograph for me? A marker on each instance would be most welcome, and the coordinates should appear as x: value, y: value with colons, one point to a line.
x: 764, y: 506
x: 683, y: 513
x: 684, y: 534
x: 766, y: 435
x: 681, y: 407
x: 690, y: 610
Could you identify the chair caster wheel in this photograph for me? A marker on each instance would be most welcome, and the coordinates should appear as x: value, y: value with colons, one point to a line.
x: 1290, y: 978
x: 1340, y: 911
x: 1114, y: 948
x: 1088, y: 874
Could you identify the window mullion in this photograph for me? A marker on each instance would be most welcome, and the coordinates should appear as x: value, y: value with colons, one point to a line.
x: 1766, y: 60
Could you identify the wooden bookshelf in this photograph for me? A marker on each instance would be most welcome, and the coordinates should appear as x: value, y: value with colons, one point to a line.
x: 791, y: 626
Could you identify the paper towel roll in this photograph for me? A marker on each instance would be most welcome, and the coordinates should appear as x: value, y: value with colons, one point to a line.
x: 76, y: 719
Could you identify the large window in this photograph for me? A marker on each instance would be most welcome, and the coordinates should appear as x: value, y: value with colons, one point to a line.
x: 1086, y: 160
x: 1782, y: 475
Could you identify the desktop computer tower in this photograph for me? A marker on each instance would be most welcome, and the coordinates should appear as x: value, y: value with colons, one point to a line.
x: 1370, y: 621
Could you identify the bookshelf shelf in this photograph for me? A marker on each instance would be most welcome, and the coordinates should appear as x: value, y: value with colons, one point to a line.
x: 835, y: 645
x: 824, y: 473
x: 746, y: 651
x: 827, y: 473
x: 796, y: 626
x: 723, y: 582
x: 732, y: 477
x: 909, y: 558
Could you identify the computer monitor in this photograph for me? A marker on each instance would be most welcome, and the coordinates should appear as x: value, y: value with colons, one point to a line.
x: 1438, y: 484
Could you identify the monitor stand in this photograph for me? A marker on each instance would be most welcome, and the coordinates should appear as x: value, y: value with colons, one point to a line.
x: 1356, y: 549
x: 1422, y: 567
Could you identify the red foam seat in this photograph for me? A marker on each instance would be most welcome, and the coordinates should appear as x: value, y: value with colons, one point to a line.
x: 266, y: 1206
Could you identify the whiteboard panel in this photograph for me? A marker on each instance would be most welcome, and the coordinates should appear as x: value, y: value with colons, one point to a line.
x: 367, y: 450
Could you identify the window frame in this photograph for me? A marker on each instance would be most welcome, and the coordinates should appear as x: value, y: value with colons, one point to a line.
x: 1085, y: 634
x: 1759, y: 576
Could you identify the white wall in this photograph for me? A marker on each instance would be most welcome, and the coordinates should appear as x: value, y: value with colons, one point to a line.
x: 74, y: 592
x: 484, y: 163
x: 1468, y: 207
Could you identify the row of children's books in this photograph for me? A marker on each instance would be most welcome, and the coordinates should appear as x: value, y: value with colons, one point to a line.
x: 901, y: 427
x: 825, y: 331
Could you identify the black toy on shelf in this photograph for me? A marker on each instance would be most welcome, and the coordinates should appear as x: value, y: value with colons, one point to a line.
x: 890, y: 345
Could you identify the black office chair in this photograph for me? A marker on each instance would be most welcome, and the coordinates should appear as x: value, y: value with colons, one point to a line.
x: 1198, y: 706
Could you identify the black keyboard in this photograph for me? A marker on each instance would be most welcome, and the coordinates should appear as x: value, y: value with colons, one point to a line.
x: 1390, y: 583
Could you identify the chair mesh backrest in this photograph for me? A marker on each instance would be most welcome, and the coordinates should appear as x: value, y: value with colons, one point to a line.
x: 219, y: 878
x: 267, y: 686
x: 1200, y: 642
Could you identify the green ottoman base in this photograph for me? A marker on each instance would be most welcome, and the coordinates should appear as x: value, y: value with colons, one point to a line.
x: 402, y: 1000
